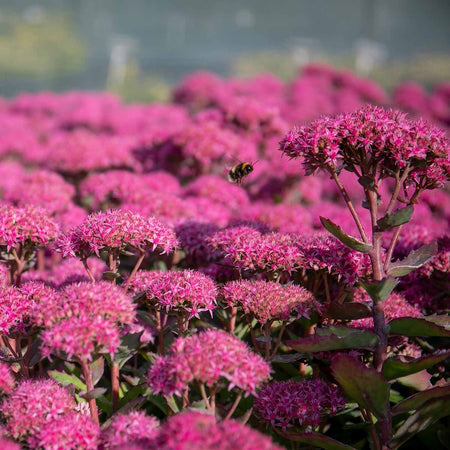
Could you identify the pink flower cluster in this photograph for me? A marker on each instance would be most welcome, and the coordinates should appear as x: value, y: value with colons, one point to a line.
x: 15, y: 310
x: 84, y: 319
x: 372, y: 133
x: 193, y: 430
x: 7, y: 381
x: 32, y: 404
x: 207, y: 357
x: 267, y: 301
x: 322, y: 252
x: 116, y: 229
x: 28, y: 226
x: 187, y: 290
x: 132, y: 427
x: 247, y: 248
x: 289, y: 403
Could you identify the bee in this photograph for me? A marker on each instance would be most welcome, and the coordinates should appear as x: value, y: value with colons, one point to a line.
x: 239, y: 171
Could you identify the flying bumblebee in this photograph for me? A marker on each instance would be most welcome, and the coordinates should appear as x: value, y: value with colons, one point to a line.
x: 239, y: 171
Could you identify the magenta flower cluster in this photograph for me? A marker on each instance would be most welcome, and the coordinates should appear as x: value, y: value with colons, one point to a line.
x: 26, y: 226
x: 298, y: 403
x: 90, y: 185
x: 267, y: 301
x: 116, y: 229
x: 207, y: 358
x: 386, y: 137
x: 187, y: 290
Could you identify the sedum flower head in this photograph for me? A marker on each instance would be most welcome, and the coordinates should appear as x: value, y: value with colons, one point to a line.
x: 86, y: 299
x: 322, y: 252
x: 81, y: 337
x: 6, y: 444
x: 188, y: 290
x: 69, y: 431
x: 387, y: 139
x: 134, y: 426
x: 193, y: 430
x: 247, y: 248
x: 288, y: 403
x: 84, y: 319
x: 207, y: 357
x: 7, y: 381
x: 34, y: 403
x: 115, y: 187
x: 15, y: 310
x: 116, y: 229
x: 28, y: 226
x: 267, y: 301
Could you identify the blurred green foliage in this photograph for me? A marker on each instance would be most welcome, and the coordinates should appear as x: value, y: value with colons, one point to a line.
x: 427, y: 69
x: 41, y: 45
x: 138, y: 86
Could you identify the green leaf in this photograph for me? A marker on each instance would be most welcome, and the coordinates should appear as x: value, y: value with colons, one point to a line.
x: 397, y: 218
x: 400, y: 366
x: 289, y: 358
x: 366, y: 181
x: 111, y: 275
x: 441, y: 320
x: 94, y: 393
x: 412, y: 326
x: 380, y: 290
x: 65, y: 379
x: 420, y: 381
x: 353, y: 338
x: 413, y: 261
x: 348, y: 311
x: 134, y: 392
x: 362, y: 384
x: 98, y: 367
x: 172, y: 404
x: 417, y: 400
x: 429, y: 413
x: 346, y: 239
x: 316, y: 440
x: 129, y: 345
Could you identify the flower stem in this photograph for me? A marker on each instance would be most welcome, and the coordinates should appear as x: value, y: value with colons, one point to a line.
x: 232, y: 322
x: 87, y: 372
x: 233, y: 406
x: 350, y: 206
x: 135, y: 269
x: 277, y: 344
x: 88, y: 270
x: 204, y: 396
x: 115, y: 385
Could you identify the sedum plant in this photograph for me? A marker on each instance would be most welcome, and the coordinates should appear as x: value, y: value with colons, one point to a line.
x: 378, y: 147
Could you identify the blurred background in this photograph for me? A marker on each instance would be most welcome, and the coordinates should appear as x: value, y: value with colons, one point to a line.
x: 140, y: 48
